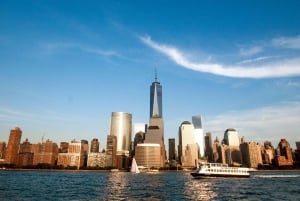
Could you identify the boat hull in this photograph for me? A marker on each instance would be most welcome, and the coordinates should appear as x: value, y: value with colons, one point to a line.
x: 205, y: 176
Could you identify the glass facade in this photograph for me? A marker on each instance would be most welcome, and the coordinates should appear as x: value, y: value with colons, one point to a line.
x: 156, y: 100
x: 121, y: 127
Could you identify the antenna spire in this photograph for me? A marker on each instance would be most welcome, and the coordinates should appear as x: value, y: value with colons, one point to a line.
x: 155, y: 75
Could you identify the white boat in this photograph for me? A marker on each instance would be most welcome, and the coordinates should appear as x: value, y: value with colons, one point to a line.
x: 208, y: 170
x: 134, y: 167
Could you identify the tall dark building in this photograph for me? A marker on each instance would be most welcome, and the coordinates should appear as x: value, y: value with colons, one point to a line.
x: 208, y: 147
x: 94, y: 146
x: 156, y: 99
x: 172, y: 151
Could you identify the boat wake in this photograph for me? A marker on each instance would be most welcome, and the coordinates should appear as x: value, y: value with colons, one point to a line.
x: 277, y: 176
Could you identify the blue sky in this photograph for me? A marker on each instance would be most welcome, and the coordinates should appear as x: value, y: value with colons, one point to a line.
x: 66, y: 65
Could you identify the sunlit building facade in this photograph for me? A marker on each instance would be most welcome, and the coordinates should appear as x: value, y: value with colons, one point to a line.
x: 199, y: 134
x: 148, y: 155
x: 188, y: 148
x: 121, y: 127
x: 12, y: 149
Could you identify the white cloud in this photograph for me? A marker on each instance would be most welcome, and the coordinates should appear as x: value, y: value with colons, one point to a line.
x: 287, y: 42
x: 280, y: 69
x: 251, y: 51
x: 255, y: 59
x: 260, y: 124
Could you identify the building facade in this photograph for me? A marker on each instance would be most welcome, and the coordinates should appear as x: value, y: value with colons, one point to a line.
x: 284, y: 155
x: 12, y: 149
x: 199, y: 134
x: 96, y: 159
x: 148, y: 155
x: 121, y: 127
x: 25, y: 154
x: 74, y: 157
x: 188, y: 148
x: 156, y: 99
x: 208, y: 149
x: 111, y: 151
x: 95, y: 146
x: 251, y: 154
x: 45, y: 153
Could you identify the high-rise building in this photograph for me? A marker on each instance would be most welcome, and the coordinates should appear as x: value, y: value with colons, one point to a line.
x: 12, y: 150
x: 121, y: 127
x: 64, y: 146
x: 188, y: 148
x: 172, y: 150
x: 25, y: 154
x: 231, y: 137
x: 45, y: 153
x: 284, y: 155
x: 199, y: 134
x: 148, y: 155
x: 156, y: 99
x: 111, y: 151
x: 95, y: 146
x: 2, y: 150
x: 155, y: 130
x: 155, y: 135
x: 251, y: 154
x: 74, y: 157
x: 208, y: 150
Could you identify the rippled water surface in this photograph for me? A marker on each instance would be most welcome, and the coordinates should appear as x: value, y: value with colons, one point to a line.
x: 55, y: 185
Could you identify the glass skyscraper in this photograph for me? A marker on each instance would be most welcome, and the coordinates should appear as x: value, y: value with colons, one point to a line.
x: 156, y: 99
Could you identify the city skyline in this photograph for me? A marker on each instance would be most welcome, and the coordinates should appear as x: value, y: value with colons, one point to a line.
x: 65, y: 67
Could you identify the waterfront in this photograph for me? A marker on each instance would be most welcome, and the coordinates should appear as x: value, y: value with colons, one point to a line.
x: 69, y: 185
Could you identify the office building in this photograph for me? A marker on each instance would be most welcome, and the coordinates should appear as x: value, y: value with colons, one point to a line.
x: 74, y: 157
x: 2, y: 150
x: 95, y: 146
x: 121, y: 127
x: 155, y: 135
x: 148, y: 155
x: 188, y: 147
x: 284, y: 155
x: 199, y: 135
x: 156, y: 99
x: 251, y: 154
x: 45, y: 153
x: 231, y: 137
x: 172, y: 150
x: 12, y: 150
x: 25, y: 154
x: 208, y: 150
x: 111, y: 151
x: 96, y: 159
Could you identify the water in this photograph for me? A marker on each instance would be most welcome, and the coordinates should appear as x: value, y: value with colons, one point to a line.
x: 55, y: 185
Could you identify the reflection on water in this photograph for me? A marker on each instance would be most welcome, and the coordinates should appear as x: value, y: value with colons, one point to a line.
x: 36, y: 186
x: 200, y: 189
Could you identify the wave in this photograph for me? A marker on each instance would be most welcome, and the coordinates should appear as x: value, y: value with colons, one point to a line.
x: 277, y: 176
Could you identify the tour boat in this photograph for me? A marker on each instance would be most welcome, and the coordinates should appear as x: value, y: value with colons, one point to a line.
x: 210, y: 170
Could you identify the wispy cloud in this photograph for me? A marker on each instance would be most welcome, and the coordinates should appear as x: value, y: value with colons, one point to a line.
x: 260, y: 124
x: 279, y: 69
x: 255, y: 59
x: 251, y: 51
x: 53, y: 47
x: 287, y: 42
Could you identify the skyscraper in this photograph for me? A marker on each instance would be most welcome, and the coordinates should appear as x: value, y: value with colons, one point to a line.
x: 156, y: 99
x: 11, y: 155
x: 121, y: 127
x: 155, y: 131
x: 188, y: 148
x: 199, y: 135
x: 94, y: 146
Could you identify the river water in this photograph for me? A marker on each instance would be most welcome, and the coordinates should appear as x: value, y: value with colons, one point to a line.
x: 68, y: 185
